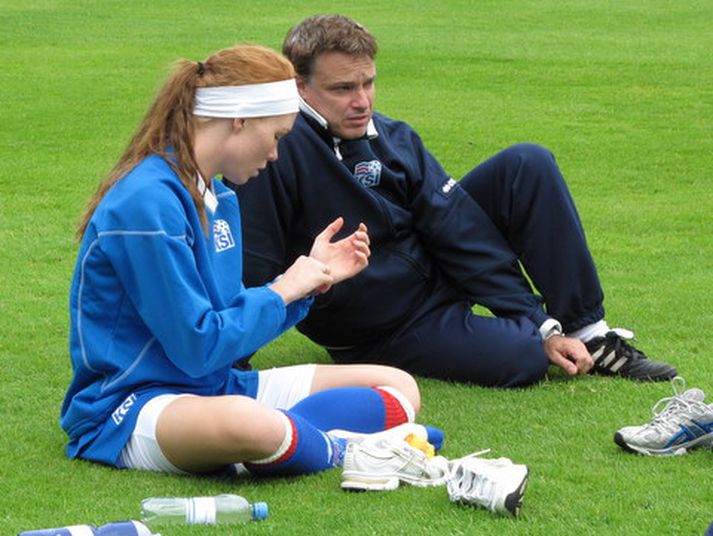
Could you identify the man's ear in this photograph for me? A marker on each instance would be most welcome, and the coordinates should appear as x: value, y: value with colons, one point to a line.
x: 238, y: 124
x: 301, y: 83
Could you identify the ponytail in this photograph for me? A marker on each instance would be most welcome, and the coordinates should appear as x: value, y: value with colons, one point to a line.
x: 168, y: 128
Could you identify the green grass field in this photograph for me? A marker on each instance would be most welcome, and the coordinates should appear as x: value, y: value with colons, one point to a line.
x: 619, y: 91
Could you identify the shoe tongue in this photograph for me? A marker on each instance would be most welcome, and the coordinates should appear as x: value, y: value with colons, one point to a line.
x: 694, y: 395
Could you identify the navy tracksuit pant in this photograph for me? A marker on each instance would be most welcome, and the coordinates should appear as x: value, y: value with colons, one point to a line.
x: 521, y: 189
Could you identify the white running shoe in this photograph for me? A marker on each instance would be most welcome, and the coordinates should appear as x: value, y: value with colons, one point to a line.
x: 381, y: 465
x: 496, y: 484
x: 684, y: 422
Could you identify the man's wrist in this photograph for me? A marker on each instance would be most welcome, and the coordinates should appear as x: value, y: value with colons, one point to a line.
x: 550, y: 328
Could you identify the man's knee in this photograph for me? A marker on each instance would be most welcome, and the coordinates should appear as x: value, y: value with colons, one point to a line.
x: 524, y: 170
x: 532, y: 157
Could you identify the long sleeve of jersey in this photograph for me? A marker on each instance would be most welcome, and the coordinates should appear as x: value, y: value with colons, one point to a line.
x: 160, y: 263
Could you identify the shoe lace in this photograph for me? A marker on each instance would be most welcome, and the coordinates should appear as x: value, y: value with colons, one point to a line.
x: 472, y: 455
x: 482, y: 489
x: 667, y: 411
x: 475, y: 485
x: 618, y: 338
x: 418, y: 459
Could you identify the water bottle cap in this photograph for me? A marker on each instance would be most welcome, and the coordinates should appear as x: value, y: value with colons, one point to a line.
x: 260, y: 510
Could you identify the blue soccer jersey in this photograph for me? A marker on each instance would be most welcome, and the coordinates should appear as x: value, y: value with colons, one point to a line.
x: 157, y: 306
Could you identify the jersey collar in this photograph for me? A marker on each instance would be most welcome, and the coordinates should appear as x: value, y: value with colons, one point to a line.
x: 209, y: 198
x: 305, y: 108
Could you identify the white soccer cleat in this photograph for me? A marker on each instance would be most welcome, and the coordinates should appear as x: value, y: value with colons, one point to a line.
x: 496, y: 484
x: 382, y: 465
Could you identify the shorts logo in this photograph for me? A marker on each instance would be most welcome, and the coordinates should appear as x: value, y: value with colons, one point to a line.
x: 448, y: 187
x: 123, y: 409
x: 222, y: 237
x: 368, y: 173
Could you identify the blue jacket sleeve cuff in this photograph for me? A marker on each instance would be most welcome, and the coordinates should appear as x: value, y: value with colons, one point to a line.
x: 298, y: 310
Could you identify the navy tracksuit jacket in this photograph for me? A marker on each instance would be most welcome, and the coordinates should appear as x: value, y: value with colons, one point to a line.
x: 438, y: 247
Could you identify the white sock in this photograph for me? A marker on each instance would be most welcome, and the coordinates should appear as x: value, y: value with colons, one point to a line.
x: 589, y: 332
x: 286, y: 443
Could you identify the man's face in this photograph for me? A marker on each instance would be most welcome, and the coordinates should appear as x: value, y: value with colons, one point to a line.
x: 341, y: 89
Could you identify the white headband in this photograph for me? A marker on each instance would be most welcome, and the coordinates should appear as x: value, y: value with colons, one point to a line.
x: 252, y: 100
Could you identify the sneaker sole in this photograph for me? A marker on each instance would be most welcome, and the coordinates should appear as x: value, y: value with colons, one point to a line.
x: 361, y: 482
x: 513, y: 502
x: 661, y: 377
x: 678, y: 450
x: 355, y: 483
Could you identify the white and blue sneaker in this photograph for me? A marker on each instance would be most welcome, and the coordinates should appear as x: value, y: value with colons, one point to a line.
x: 684, y: 422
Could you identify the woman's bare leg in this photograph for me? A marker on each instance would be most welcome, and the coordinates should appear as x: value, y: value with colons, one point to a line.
x: 331, y: 376
x: 200, y: 434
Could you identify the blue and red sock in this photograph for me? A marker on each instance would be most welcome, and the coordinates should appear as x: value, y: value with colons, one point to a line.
x: 308, y: 449
x: 305, y: 449
x: 358, y: 409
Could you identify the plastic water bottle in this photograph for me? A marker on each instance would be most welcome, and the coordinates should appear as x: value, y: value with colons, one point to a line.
x: 118, y: 528
x: 222, y: 509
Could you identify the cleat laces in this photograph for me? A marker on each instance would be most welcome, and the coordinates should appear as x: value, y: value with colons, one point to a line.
x: 623, y: 348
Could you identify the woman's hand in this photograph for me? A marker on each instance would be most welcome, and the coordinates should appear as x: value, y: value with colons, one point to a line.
x: 304, y: 277
x: 346, y: 257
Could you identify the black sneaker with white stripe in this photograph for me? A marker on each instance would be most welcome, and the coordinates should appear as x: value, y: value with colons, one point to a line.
x: 613, y: 356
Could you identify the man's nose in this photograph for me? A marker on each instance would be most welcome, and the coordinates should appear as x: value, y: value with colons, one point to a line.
x: 361, y: 99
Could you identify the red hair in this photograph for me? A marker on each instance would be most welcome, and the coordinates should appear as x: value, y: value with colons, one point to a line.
x: 169, y: 123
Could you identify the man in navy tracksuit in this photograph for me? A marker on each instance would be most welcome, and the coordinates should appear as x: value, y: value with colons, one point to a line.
x: 439, y: 246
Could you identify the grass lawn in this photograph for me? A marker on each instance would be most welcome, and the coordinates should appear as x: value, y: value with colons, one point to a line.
x: 619, y: 91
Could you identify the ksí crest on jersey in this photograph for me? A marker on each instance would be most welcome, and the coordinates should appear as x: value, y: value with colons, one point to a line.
x: 222, y: 237
x: 368, y: 174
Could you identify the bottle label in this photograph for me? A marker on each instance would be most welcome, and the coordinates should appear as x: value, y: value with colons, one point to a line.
x: 200, y: 511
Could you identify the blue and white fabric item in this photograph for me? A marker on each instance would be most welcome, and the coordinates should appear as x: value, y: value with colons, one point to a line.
x: 158, y: 306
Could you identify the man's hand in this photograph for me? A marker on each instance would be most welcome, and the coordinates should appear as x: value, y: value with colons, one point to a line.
x: 346, y: 257
x: 569, y: 354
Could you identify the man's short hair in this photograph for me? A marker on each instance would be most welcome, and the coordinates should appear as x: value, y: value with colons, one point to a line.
x: 326, y: 33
